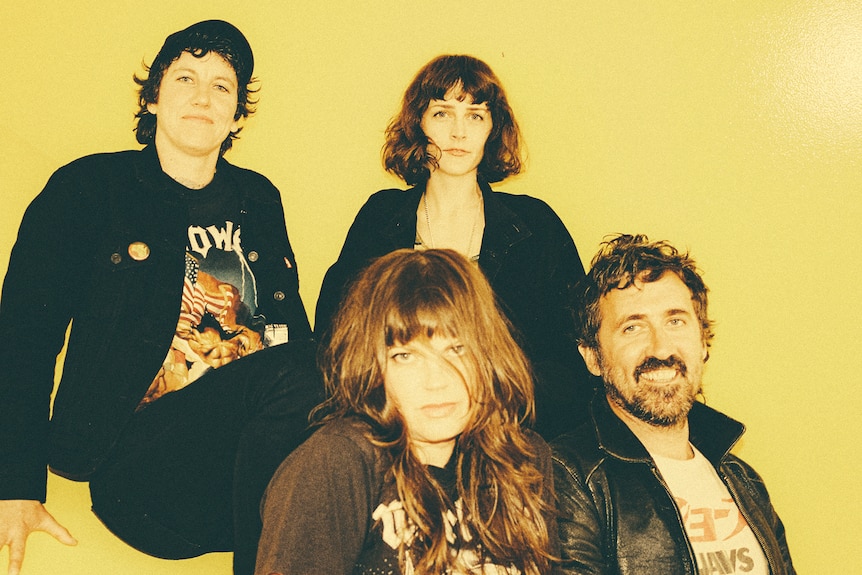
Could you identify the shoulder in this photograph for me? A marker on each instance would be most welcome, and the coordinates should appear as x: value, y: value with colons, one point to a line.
x: 91, y: 164
x: 391, y: 199
x: 745, y: 473
x: 577, y: 452
x: 84, y: 184
x: 524, y: 205
x: 538, y: 445
x: 254, y: 183
x: 387, y: 209
x: 338, y: 444
x: 527, y: 211
x: 337, y: 461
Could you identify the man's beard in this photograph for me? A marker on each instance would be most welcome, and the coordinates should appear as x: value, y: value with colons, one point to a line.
x: 662, y: 405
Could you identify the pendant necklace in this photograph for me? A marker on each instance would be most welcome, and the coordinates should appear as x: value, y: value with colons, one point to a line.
x: 469, y: 252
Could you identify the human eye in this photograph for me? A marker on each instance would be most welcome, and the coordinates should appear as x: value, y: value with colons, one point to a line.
x: 457, y: 349
x: 399, y: 355
x: 631, y: 328
x: 678, y: 319
x: 224, y: 85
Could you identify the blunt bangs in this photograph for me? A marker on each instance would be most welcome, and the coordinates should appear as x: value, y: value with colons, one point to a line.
x: 461, y: 80
x: 423, y: 315
x: 427, y: 295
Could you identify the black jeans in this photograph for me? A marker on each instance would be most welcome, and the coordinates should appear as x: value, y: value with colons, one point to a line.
x: 187, y: 476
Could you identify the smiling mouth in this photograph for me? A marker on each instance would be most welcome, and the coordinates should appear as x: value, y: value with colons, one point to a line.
x: 661, y: 375
x: 660, y: 371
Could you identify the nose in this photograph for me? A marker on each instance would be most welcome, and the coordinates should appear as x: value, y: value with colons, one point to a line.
x: 202, y: 96
x: 660, y: 344
x: 439, y: 373
x: 459, y: 129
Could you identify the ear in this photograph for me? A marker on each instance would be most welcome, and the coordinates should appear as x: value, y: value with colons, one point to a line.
x: 151, y: 108
x: 591, y: 358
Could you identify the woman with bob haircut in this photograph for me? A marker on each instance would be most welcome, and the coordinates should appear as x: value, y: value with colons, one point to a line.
x: 421, y: 465
x: 454, y: 136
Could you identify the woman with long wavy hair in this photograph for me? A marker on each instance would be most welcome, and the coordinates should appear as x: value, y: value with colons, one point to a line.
x: 421, y: 464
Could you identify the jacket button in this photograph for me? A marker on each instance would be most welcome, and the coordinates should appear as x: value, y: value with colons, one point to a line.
x: 116, y: 258
x: 253, y: 256
x: 139, y: 251
x: 278, y: 296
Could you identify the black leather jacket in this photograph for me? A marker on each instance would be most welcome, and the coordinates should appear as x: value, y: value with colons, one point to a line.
x: 616, y: 513
x: 71, y: 262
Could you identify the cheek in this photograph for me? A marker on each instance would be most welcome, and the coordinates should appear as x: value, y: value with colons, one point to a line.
x: 483, y: 133
x: 625, y: 356
x: 430, y: 134
x: 399, y: 394
x: 423, y: 126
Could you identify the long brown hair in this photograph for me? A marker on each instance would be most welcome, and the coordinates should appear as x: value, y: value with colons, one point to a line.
x: 408, y: 294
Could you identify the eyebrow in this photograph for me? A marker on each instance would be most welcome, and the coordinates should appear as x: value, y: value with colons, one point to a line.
x: 678, y: 311
x: 631, y: 317
x: 187, y: 70
x: 444, y: 104
x: 640, y: 316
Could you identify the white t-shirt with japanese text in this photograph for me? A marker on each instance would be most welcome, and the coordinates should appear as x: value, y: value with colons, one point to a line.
x: 723, y: 542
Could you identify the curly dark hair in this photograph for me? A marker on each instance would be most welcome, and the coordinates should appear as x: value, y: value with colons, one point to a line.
x: 405, y: 149
x: 198, y: 40
x: 628, y: 258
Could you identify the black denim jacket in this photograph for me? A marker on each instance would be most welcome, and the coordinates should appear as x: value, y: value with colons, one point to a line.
x: 616, y: 513
x: 72, y: 263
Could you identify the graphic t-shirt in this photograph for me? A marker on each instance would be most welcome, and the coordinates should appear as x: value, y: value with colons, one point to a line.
x: 333, y: 507
x: 394, y: 527
x: 722, y: 540
x: 218, y: 316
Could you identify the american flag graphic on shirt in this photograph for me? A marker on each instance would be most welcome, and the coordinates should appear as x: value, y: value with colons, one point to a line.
x: 217, y: 317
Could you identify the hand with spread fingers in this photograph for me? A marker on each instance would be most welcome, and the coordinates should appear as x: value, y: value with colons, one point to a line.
x: 18, y: 519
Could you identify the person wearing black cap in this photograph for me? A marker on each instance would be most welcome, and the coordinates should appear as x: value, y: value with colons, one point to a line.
x: 190, y: 366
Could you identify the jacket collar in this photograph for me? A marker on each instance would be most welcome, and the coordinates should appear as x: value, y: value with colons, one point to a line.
x: 148, y: 171
x: 401, y: 226
x: 503, y: 227
x: 710, y: 431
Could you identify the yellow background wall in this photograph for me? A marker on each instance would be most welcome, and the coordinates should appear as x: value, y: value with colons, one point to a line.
x: 733, y: 128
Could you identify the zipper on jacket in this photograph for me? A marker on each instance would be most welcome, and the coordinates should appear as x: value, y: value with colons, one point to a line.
x: 755, y: 529
x: 692, y: 565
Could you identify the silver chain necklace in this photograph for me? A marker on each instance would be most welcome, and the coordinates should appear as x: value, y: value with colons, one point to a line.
x: 472, y: 230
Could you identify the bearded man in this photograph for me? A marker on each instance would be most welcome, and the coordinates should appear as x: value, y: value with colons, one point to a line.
x: 648, y: 485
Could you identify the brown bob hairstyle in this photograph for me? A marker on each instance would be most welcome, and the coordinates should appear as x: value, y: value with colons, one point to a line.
x: 405, y: 151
